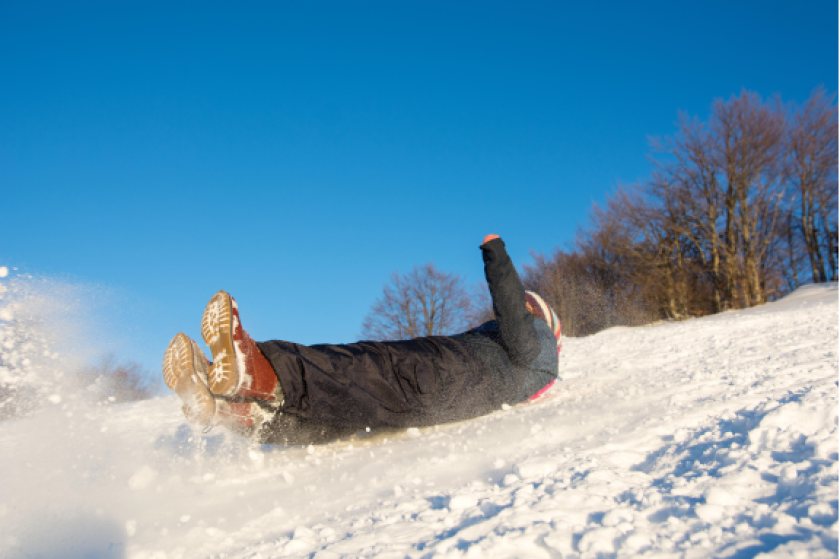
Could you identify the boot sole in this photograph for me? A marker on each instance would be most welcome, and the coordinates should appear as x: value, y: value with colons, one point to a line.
x: 183, y: 368
x: 217, y: 330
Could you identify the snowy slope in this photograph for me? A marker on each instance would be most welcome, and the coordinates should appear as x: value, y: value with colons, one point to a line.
x: 714, y: 437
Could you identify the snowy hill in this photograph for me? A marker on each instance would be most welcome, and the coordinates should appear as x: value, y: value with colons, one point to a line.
x: 715, y: 437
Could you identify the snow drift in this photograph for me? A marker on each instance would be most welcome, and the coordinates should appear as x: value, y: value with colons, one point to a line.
x: 712, y: 437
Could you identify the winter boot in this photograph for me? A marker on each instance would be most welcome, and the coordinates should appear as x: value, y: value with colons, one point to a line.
x: 185, y: 371
x: 239, y: 369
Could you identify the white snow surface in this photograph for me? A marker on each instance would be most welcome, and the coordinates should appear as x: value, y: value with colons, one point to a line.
x: 714, y: 437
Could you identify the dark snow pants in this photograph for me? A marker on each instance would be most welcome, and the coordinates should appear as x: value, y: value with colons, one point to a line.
x: 411, y: 383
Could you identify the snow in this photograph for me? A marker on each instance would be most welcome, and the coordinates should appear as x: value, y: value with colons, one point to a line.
x: 715, y: 437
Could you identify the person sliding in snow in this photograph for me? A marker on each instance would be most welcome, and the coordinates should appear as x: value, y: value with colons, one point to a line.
x: 280, y: 392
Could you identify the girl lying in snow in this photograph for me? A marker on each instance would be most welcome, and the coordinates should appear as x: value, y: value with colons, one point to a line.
x: 284, y: 393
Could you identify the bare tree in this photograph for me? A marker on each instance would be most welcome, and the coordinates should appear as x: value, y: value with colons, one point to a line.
x: 748, y: 153
x: 423, y: 302
x: 691, y: 179
x: 652, y: 243
x: 793, y: 244
x: 124, y: 382
x: 727, y: 178
x: 812, y: 142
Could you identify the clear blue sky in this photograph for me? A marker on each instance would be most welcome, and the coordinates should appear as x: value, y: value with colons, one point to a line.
x: 295, y: 153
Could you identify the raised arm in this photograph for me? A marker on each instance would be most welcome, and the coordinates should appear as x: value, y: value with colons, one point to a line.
x: 516, y: 324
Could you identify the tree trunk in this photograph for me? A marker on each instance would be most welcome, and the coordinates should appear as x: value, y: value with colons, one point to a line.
x: 752, y: 279
x: 730, y: 250
x: 680, y: 280
x: 717, y: 281
x: 831, y: 242
x: 810, y: 236
x: 792, y: 255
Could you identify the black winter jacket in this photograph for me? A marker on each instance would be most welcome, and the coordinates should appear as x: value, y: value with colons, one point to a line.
x: 419, y: 382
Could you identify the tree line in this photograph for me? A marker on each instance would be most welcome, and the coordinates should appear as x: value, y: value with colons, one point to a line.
x: 739, y: 210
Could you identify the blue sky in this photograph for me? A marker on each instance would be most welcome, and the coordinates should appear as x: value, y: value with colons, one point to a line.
x: 295, y: 154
